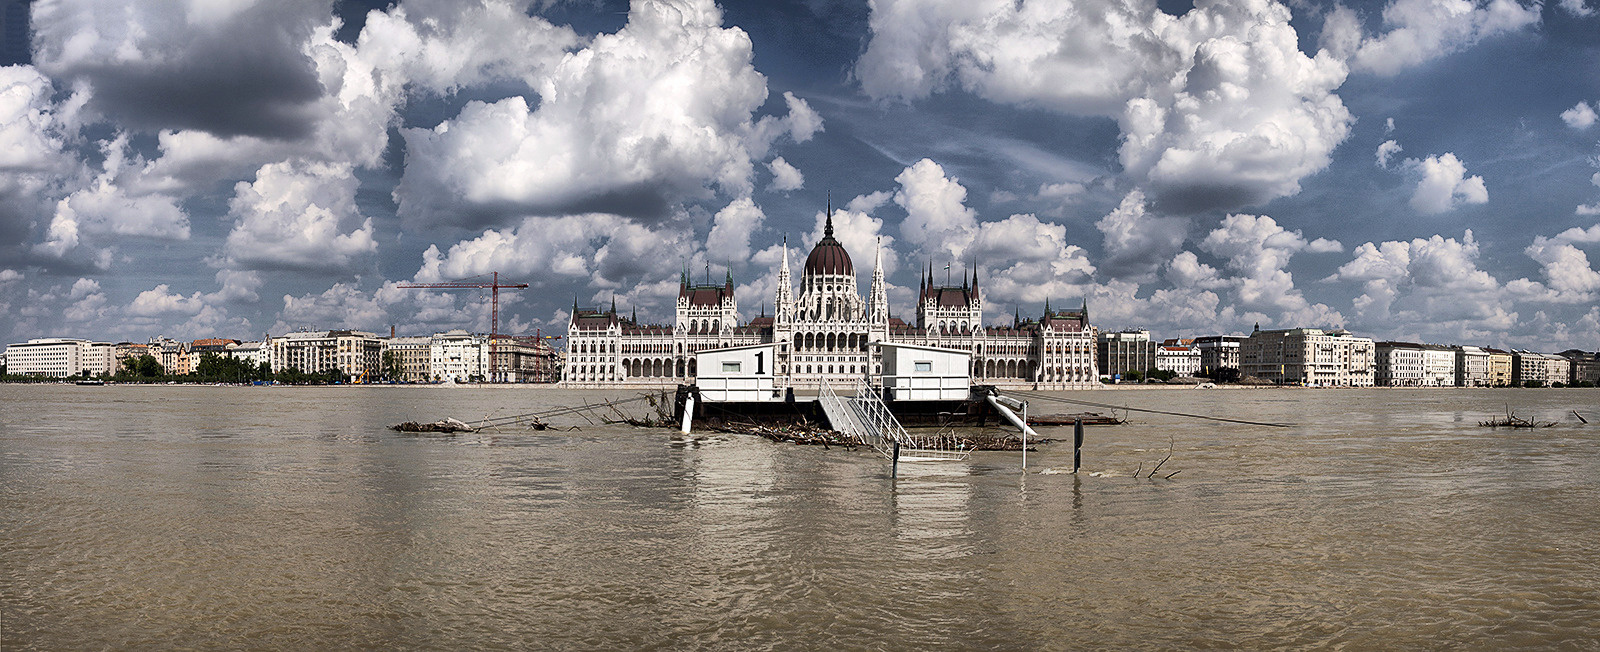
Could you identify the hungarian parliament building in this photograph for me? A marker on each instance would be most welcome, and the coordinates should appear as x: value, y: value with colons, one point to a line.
x: 829, y: 332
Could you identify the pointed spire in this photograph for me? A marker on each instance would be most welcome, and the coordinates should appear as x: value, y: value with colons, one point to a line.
x: 1047, y: 306
x: 635, y: 317
x: 827, y: 229
x: 729, y: 282
x: 574, y: 305
x: 613, y: 304
x: 974, y: 275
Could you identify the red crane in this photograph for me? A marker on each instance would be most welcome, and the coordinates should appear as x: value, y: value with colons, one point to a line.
x: 493, y: 286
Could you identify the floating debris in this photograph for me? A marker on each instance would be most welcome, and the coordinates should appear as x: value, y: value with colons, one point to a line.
x: 1089, y: 419
x: 1511, y: 420
x: 446, y: 425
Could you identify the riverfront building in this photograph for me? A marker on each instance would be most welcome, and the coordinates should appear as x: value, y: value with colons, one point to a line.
x: 461, y: 356
x: 1179, y: 357
x: 829, y: 332
x: 1585, y: 367
x: 1405, y: 364
x: 1218, y: 352
x: 59, y: 357
x: 355, y: 353
x: 1308, y: 356
x: 1125, y: 351
x: 1540, y: 368
x: 1472, y: 367
x: 414, y: 355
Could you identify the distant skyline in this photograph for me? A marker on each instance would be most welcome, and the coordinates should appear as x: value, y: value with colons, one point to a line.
x: 1423, y: 170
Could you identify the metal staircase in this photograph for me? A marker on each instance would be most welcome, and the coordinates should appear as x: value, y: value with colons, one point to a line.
x: 867, y: 419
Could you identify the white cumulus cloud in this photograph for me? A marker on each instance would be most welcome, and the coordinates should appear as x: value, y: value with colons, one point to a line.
x: 1576, y: 8
x: 298, y: 216
x: 1581, y: 116
x: 658, y: 112
x: 937, y: 217
x: 729, y: 240
x: 1418, y: 31
x: 1218, y: 106
x: 1136, y: 242
x: 161, y: 300
x: 1386, y: 151
x: 785, y: 177
x: 1445, y: 185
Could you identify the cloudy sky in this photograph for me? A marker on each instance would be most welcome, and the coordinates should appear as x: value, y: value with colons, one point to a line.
x: 1420, y: 169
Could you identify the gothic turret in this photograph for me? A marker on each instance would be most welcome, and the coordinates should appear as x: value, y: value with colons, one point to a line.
x: 783, y: 300
x: 878, y: 301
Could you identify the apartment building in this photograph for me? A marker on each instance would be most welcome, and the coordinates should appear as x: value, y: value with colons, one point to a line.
x: 1543, y: 368
x: 60, y: 357
x: 1125, y: 351
x: 1218, y: 352
x: 1308, y: 356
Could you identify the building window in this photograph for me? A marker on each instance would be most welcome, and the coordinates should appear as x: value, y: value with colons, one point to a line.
x: 730, y: 367
x: 924, y: 366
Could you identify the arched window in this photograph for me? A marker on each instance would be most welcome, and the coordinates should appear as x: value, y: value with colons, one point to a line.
x: 830, y: 342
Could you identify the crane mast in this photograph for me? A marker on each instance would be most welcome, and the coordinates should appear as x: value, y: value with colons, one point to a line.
x: 493, y: 286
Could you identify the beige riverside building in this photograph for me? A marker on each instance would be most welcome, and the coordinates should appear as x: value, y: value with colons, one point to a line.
x: 358, y: 354
x: 415, y: 355
x: 1500, y: 367
x: 1308, y: 356
x: 829, y: 332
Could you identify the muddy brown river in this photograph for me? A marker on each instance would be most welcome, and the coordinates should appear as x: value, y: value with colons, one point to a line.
x: 292, y: 518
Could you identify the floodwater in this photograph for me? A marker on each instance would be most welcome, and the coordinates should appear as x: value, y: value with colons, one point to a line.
x: 292, y: 518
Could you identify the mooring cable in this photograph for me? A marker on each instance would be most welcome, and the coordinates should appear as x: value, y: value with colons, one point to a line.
x: 562, y: 411
x: 1059, y: 399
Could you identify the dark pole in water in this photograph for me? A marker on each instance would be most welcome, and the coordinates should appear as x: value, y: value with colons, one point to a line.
x: 894, y: 469
x: 1077, y: 444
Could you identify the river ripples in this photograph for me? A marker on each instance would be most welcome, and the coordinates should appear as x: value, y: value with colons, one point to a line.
x: 211, y: 517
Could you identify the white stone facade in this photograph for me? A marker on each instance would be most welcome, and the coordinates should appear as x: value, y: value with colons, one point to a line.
x: 829, y: 331
x: 60, y: 357
x: 1182, y: 360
